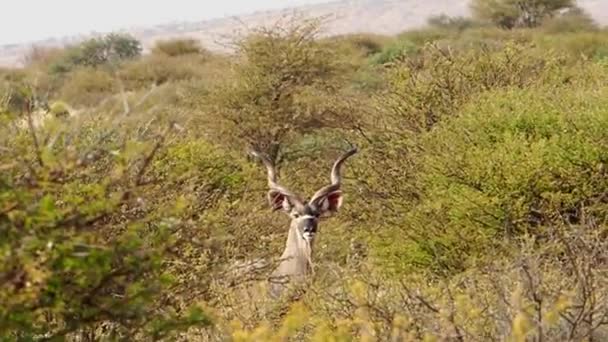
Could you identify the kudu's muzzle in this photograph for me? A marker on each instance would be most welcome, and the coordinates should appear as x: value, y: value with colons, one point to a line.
x: 309, y: 229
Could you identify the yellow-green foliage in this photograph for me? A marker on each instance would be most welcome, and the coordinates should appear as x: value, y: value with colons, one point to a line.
x: 42, y: 56
x: 87, y: 87
x: 59, y: 109
x: 435, y: 83
x: 75, y: 245
x: 178, y: 47
x: 160, y: 69
x: 426, y: 35
x: 172, y: 61
x: 363, y: 44
x: 16, y: 90
x: 451, y: 23
x: 393, y: 51
x: 592, y: 45
x: 507, y: 165
x: 574, y: 20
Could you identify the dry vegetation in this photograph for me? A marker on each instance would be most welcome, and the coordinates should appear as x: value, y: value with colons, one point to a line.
x: 476, y: 209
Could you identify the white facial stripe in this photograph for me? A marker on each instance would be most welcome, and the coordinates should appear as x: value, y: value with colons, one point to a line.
x: 304, y: 217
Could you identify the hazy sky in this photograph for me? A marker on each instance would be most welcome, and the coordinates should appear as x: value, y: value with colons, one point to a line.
x: 26, y: 20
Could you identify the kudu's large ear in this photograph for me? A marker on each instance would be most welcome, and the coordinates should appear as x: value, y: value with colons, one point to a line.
x: 280, y: 201
x: 331, y: 202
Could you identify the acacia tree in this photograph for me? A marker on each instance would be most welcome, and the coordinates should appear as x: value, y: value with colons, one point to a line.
x: 95, y: 52
x: 284, y: 82
x: 112, y: 47
x: 518, y: 13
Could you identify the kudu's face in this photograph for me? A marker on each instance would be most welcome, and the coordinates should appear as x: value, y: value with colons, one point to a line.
x: 306, y: 221
x: 305, y: 214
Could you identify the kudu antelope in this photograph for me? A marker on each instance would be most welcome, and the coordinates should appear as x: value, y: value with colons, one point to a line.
x: 296, y: 261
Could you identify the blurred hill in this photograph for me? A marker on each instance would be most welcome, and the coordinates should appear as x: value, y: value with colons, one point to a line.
x: 347, y: 16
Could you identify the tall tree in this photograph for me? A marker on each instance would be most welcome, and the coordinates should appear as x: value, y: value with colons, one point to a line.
x: 518, y: 13
x: 285, y: 82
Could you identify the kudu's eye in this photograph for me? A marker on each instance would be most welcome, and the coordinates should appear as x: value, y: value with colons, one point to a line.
x: 295, y: 215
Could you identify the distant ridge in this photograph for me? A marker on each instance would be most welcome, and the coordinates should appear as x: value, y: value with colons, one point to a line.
x: 346, y: 16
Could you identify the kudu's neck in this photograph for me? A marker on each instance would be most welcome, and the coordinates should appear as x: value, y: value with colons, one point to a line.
x: 296, y: 261
x: 297, y: 256
x: 296, y: 247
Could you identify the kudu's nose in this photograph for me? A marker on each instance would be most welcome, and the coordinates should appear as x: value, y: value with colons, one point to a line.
x: 310, y: 226
x: 310, y: 229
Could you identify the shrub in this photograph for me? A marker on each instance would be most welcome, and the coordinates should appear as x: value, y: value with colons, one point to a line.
x: 512, y: 163
x: 77, y: 252
x: 573, y: 20
x: 393, y: 52
x: 426, y: 92
x: 17, y: 92
x: 482, y: 37
x: 451, y: 23
x: 59, y: 109
x: 42, y: 56
x: 433, y: 84
x: 421, y: 37
x: 601, y: 55
x: 88, y: 87
x: 588, y: 45
x: 178, y: 47
x: 365, y: 44
x: 160, y: 69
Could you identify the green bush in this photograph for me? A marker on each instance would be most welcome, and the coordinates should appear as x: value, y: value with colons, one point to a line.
x: 421, y: 37
x: 60, y: 109
x: 513, y: 162
x: 18, y: 96
x: 77, y: 253
x: 88, y: 87
x: 365, y: 44
x: 437, y: 81
x: 178, y: 47
x: 393, y: 52
x: 480, y: 37
x: 42, y: 56
x: 574, y: 20
x: 451, y: 23
x: 590, y: 45
x: 160, y: 69
x: 426, y: 93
